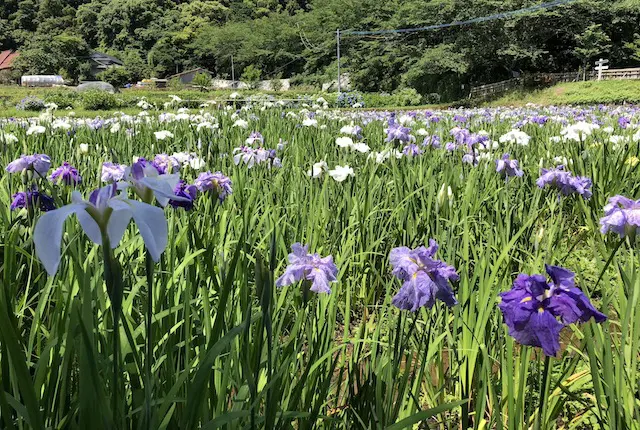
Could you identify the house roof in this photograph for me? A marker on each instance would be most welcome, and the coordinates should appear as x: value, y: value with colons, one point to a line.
x: 6, y: 58
x: 186, y: 72
x: 102, y: 58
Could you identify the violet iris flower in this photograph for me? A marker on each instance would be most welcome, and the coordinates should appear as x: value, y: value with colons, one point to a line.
x: 187, y: 192
x: 622, y: 216
x: 535, y: 311
x: 30, y: 198
x: 508, y: 167
x: 433, y: 141
x: 320, y: 271
x: 565, y: 182
x: 624, y: 122
x: 39, y: 163
x: 165, y: 164
x: 412, y: 149
x: 67, y: 174
x: 112, y: 172
x: 357, y: 131
x: 399, y: 133
x: 215, y: 182
x: 425, y: 279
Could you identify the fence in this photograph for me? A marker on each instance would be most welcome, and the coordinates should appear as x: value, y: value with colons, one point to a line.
x: 485, y: 91
x: 546, y: 79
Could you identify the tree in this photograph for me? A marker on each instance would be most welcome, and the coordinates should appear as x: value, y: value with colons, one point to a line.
x: 438, y: 70
x: 63, y: 53
x: 591, y: 42
x: 251, y: 75
x: 135, y: 64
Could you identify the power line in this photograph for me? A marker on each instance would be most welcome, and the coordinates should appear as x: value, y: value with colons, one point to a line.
x: 501, y: 15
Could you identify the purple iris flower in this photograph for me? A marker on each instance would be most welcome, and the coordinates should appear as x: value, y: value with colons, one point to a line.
x: 624, y: 122
x: 565, y: 182
x: 320, y: 271
x: 508, y: 167
x: 274, y: 159
x: 539, y: 119
x: 137, y: 168
x: 95, y: 124
x: 424, y: 279
x: 39, y: 163
x: 357, y: 131
x: 67, y: 174
x: 112, y: 172
x: 622, y: 216
x: 216, y: 182
x: 397, y: 132
x: 412, y: 149
x: 188, y: 192
x: 31, y: 198
x: 433, y: 141
x: 535, y: 311
x: 164, y: 164
x: 460, y: 135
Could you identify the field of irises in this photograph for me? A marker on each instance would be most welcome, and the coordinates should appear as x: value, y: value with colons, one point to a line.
x: 264, y: 267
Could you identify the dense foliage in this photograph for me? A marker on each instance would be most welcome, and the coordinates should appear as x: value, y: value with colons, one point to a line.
x: 297, y: 38
x: 207, y: 337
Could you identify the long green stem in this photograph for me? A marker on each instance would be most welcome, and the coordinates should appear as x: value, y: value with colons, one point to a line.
x: 544, y: 387
x: 149, y: 353
x: 113, y: 281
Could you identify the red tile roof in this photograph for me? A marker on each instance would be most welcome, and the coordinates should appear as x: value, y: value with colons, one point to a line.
x: 6, y: 58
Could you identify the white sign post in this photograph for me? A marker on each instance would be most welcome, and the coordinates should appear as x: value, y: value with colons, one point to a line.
x: 600, y: 66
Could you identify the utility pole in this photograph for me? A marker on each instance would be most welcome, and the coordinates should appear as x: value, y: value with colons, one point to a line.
x: 338, y: 50
x: 233, y: 74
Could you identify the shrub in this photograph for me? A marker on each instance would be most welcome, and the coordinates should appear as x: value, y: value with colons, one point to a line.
x: 407, y: 97
x: 176, y: 84
x: 8, y: 77
x: 433, y: 98
x: 276, y: 84
x: 31, y: 103
x: 251, y: 75
x: 98, y: 100
x: 116, y: 76
x: 350, y: 99
x: 202, y: 81
x: 62, y: 98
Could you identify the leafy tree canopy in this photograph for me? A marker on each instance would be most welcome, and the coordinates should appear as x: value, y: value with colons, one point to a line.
x: 297, y: 38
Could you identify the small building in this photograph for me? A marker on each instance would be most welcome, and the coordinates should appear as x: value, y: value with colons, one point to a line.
x: 6, y: 59
x: 101, y: 62
x: 187, y: 76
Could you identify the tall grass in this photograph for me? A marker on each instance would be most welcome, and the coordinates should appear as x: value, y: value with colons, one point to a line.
x: 230, y: 350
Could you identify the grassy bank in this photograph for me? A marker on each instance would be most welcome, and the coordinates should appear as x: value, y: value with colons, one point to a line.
x: 575, y: 93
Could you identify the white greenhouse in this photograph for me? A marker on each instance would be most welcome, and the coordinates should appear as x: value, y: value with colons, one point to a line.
x: 41, y: 80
